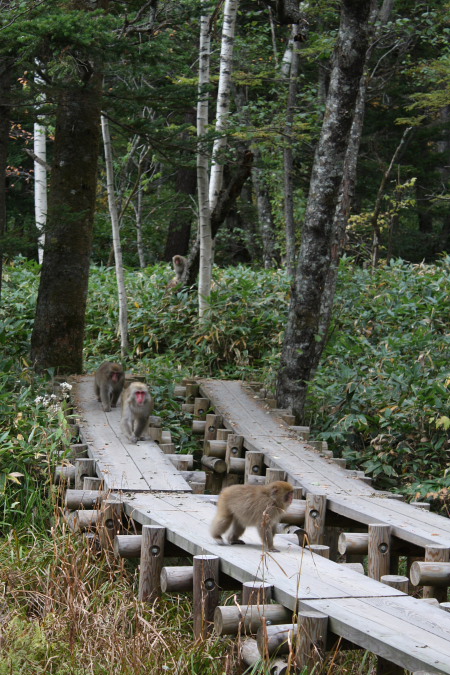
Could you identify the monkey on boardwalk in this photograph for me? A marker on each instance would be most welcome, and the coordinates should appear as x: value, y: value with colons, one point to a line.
x: 261, y: 506
x: 109, y: 381
x: 137, y: 406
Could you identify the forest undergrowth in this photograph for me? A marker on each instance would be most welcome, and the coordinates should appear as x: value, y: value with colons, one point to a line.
x: 380, y: 398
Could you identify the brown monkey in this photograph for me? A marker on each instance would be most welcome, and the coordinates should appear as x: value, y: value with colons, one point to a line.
x: 109, y: 381
x: 137, y: 406
x: 240, y: 506
x: 179, y: 263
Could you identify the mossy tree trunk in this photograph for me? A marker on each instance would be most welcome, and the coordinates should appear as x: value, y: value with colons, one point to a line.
x: 303, y: 326
x: 58, y: 334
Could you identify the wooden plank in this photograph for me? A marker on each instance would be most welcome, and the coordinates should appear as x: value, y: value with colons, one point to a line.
x: 294, y: 572
x: 346, y: 495
x: 387, y: 622
x: 402, y: 630
x: 123, y: 465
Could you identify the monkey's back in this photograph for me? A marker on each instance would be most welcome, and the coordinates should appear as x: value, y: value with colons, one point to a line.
x: 247, y: 503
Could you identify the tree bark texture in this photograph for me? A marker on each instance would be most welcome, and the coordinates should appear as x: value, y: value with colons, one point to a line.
x: 40, y: 178
x: 6, y: 65
x: 302, y: 328
x: 179, y: 231
x: 227, y: 199
x: 348, y: 184
x: 206, y: 246
x: 120, y: 277
x: 288, y: 157
x: 57, y: 339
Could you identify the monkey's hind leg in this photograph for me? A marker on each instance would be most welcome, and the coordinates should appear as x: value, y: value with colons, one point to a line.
x: 237, y: 530
x: 267, y: 533
x: 219, y: 526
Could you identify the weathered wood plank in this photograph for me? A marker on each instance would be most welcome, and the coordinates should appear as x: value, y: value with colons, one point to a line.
x: 346, y: 494
x: 123, y: 465
x: 374, y: 616
x: 294, y: 572
x: 402, y: 630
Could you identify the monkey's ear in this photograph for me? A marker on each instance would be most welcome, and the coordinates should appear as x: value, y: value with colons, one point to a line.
x: 274, y: 491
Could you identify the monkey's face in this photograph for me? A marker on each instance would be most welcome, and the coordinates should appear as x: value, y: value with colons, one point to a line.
x: 139, y: 396
x: 115, y: 376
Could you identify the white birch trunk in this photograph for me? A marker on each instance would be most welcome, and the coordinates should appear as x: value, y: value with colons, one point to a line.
x: 121, y: 290
x: 40, y: 180
x: 223, y: 99
x: 205, y: 268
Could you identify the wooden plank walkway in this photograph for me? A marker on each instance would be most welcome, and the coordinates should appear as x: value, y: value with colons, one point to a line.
x: 401, y: 629
x: 123, y: 466
x: 346, y: 495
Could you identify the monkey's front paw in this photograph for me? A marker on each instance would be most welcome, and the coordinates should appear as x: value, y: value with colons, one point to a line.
x: 106, y: 409
x: 134, y: 439
x: 237, y: 541
x: 274, y: 550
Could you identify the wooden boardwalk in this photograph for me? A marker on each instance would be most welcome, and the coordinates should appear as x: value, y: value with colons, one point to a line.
x: 387, y: 622
x: 123, y: 466
x: 346, y: 495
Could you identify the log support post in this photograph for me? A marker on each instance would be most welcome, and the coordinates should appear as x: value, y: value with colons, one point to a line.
x: 379, y: 550
x: 152, y: 558
x: 315, y: 518
x: 436, y: 554
x: 254, y: 463
x: 206, y: 593
x: 110, y: 523
x: 256, y: 593
x: 311, y: 638
x: 83, y: 469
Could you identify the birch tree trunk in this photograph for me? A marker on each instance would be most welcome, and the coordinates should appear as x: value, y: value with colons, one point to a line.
x: 40, y: 179
x: 121, y: 290
x: 302, y: 328
x: 207, y: 202
x: 6, y: 77
x: 205, y: 269
x: 223, y: 99
x: 288, y: 159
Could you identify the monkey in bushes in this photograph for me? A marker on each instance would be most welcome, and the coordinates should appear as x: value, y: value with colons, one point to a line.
x: 179, y: 263
x: 109, y: 381
x: 137, y: 406
x: 261, y: 506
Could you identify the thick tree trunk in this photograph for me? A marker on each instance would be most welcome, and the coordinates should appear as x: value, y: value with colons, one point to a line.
x: 57, y: 339
x: 179, y: 231
x: 302, y: 328
x: 6, y: 65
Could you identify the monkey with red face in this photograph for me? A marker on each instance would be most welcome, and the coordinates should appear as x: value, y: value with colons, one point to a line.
x: 109, y: 381
x: 137, y: 406
x: 242, y: 506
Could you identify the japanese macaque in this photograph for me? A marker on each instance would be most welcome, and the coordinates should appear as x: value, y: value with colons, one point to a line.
x: 109, y: 381
x: 241, y: 506
x: 137, y: 406
x: 179, y: 265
